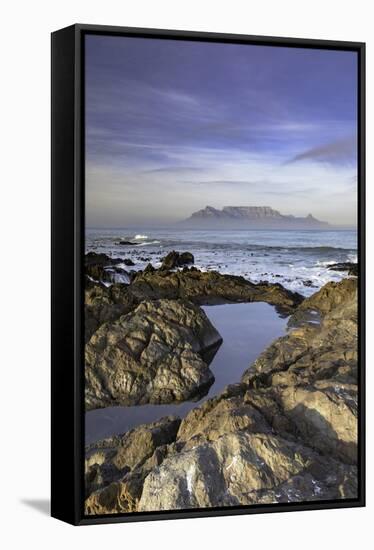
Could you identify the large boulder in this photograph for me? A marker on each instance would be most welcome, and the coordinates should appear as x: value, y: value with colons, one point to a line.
x: 154, y: 354
x: 241, y: 468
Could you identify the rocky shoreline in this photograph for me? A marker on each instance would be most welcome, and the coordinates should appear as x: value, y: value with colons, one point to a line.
x: 287, y: 432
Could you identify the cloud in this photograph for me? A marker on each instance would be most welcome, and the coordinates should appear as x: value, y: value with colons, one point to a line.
x: 342, y: 150
x: 174, y: 170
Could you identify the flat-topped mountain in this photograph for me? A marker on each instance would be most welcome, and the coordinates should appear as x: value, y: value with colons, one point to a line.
x: 241, y: 217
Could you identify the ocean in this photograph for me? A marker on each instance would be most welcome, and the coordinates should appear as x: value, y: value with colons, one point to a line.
x: 299, y: 260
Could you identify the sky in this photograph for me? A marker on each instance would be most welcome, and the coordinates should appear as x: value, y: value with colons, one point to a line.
x: 173, y: 126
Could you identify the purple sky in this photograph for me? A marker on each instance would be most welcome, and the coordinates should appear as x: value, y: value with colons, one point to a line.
x: 172, y: 126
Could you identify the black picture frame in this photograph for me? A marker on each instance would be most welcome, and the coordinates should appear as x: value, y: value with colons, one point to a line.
x: 68, y: 132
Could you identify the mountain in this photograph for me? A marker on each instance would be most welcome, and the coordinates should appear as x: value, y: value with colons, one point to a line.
x: 242, y: 217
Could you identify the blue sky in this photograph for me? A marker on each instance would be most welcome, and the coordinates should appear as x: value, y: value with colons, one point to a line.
x: 172, y: 126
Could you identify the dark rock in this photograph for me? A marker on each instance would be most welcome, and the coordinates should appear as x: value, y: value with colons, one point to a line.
x: 186, y: 258
x: 151, y: 355
x: 126, y: 243
x: 149, y: 269
x: 103, y: 268
x: 308, y: 283
x: 351, y: 267
x: 175, y: 259
x: 128, y: 261
x: 211, y: 288
x: 92, y: 258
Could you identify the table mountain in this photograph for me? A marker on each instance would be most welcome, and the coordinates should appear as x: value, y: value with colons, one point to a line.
x: 241, y: 217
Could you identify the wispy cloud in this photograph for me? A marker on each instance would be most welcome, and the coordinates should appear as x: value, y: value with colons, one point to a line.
x: 342, y: 150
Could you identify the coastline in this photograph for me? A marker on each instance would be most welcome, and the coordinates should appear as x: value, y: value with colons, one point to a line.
x: 299, y: 260
x: 253, y: 413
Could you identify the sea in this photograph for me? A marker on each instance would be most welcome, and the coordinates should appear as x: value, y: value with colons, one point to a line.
x: 299, y: 260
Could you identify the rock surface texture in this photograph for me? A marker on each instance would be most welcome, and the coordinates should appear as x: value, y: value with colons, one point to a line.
x: 286, y: 433
x: 211, y: 288
x: 154, y: 354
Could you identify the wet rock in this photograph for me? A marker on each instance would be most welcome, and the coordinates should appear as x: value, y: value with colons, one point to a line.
x: 103, y: 268
x: 350, y: 267
x: 128, y: 261
x: 211, y: 288
x: 151, y: 355
x: 175, y: 259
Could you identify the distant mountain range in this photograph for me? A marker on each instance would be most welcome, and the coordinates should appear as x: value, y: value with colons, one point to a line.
x: 242, y: 217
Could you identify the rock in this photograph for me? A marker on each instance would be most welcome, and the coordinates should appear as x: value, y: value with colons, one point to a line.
x: 243, y: 468
x: 286, y: 433
x: 175, y: 259
x: 92, y: 258
x: 154, y: 354
x: 103, y: 268
x: 332, y: 295
x: 312, y: 372
x: 116, y: 467
x: 186, y: 258
x: 128, y: 261
x: 104, y: 304
x: 126, y: 243
x: 149, y: 269
x: 211, y: 288
x: 308, y: 283
x: 351, y: 267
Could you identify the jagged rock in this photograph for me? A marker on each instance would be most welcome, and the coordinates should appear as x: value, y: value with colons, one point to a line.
x: 286, y: 433
x: 210, y: 288
x: 312, y: 372
x: 175, y: 259
x: 105, y: 304
x: 350, y: 267
x: 332, y: 295
x: 103, y: 268
x: 116, y: 467
x: 243, y: 468
x: 151, y: 355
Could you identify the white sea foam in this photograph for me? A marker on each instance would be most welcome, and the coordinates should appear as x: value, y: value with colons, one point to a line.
x: 149, y: 243
x: 140, y: 237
